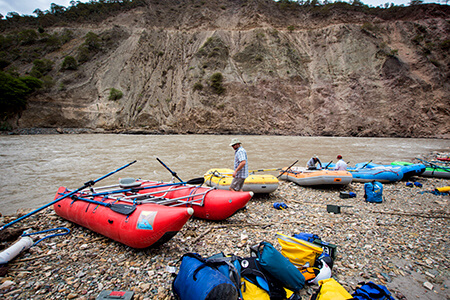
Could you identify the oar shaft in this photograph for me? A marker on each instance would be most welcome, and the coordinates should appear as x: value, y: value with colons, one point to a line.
x: 87, y: 184
x: 265, y: 170
x: 92, y: 201
x: 366, y: 164
x: 172, y: 172
x: 287, y: 169
x: 195, y: 180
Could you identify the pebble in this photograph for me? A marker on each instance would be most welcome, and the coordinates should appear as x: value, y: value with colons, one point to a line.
x: 428, y: 285
x: 406, y: 233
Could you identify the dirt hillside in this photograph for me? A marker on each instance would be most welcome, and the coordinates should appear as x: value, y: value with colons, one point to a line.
x: 255, y: 67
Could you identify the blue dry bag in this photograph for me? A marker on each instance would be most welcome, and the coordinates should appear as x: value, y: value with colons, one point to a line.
x: 372, y: 291
x: 373, y: 192
x: 309, y: 237
x: 200, y: 280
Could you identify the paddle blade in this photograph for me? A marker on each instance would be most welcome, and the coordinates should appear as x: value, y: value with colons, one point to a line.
x: 196, y: 181
x: 123, y: 209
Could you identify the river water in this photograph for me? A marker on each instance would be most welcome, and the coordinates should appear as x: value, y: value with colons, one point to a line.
x: 32, y: 167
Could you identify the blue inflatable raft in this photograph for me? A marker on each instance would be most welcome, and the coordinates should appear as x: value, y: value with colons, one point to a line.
x: 407, y: 170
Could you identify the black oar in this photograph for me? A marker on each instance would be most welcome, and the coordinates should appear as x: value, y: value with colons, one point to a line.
x: 366, y: 164
x: 87, y: 184
x: 123, y: 209
x: 287, y: 168
x: 194, y: 181
x: 173, y: 173
x: 326, y: 167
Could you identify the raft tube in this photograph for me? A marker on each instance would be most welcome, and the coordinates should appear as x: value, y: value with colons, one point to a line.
x: 208, y: 203
x: 304, y: 177
x: 148, y: 225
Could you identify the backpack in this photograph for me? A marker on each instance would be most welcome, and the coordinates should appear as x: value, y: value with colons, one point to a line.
x: 200, y: 279
x: 299, y: 252
x: 255, y: 274
x: 330, y: 289
x: 228, y: 265
x: 372, y: 291
x: 272, y: 261
x: 373, y: 192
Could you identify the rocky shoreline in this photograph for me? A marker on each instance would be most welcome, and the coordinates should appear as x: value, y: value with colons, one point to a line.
x: 401, y: 243
x: 137, y: 131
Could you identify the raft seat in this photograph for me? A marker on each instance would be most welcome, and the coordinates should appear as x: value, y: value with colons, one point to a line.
x: 127, y: 183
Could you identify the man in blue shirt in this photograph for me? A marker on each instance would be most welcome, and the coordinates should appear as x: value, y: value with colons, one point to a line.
x: 240, y: 166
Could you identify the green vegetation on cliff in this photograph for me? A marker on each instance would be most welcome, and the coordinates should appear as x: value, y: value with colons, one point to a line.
x: 13, y: 93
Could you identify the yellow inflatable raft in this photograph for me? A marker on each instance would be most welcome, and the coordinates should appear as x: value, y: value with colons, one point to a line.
x: 221, y: 179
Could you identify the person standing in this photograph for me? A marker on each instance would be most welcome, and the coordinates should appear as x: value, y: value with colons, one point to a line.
x: 341, y: 165
x: 311, y: 164
x: 240, y: 166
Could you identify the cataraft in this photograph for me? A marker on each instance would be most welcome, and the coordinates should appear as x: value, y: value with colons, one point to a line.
x: 142, y: 213
x: 258, y: 184
x: 431, y: 169
x: 303, y: 176
x: 137, y: 226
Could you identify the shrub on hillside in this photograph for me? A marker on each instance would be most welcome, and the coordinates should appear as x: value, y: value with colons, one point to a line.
x: 198, y: 86
x: 41, y: 67
x: 13, y: 92
x: 216, y: 83
x: 69, y: 63
x: 90, y: 47
x: 115, y: 94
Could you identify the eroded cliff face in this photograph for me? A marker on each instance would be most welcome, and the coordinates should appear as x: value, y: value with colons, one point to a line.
x: 285, y: 71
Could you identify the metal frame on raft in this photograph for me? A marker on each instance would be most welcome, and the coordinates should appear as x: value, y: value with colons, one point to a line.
x: 136, y: 199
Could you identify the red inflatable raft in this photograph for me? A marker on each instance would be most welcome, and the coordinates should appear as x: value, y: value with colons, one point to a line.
x: 137, y: 226
x: 208, y: 203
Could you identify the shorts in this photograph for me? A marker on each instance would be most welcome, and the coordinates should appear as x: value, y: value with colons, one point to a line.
x: 237, y: 183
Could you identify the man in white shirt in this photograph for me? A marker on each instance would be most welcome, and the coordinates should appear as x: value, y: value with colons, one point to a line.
x: 341, y: 165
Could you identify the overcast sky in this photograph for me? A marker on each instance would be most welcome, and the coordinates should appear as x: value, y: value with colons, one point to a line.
x: 26, y: 7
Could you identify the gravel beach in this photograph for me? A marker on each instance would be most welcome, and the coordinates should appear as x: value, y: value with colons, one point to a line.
x: 402, y: 243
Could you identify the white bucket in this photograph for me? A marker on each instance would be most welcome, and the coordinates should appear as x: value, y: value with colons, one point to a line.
x: 8, y: 254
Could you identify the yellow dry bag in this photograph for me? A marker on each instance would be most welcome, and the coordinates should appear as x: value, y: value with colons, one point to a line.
x: 299, y: 252
x: 251, y: 291
x: 330, y: 289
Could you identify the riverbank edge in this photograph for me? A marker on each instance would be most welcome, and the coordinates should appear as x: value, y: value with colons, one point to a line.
x: 137, y: 131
